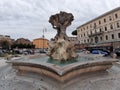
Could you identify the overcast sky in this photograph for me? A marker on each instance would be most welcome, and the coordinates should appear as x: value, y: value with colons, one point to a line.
x: 28, y: 18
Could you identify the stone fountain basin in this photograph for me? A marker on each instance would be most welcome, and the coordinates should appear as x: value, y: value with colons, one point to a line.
x: 61, y: 73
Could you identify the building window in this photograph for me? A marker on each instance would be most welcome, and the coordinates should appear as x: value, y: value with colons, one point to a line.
x: 105, y: 28
x: 90, y: 32
x: 88, y: 40
x: 110, y: 18
x: 118, y: 25
x: 84, y: 41
x: 104, y: 20
x: 84, y: 34
x: 87, y: 27
x: 118, y: 35
x: 106, y: 37
x: 91, y: 40
x: 96, y: 39
x: 99, y: 22
x: 116, y: 16
x: 111, y: 26
x: 112, y: 36
x: 101, y: 38
x: 100, y: 30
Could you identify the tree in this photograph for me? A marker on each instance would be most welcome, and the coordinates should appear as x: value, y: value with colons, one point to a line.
x: 74, y: 32
x: 5, y: 44
x: 21, y: 46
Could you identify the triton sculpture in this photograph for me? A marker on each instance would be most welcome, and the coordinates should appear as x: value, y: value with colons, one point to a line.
x: 60, y: 48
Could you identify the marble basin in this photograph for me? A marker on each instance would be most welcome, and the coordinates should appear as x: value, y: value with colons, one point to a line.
x: 42, y: 65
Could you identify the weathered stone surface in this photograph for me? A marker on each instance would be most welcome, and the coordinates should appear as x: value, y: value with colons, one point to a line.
x: 63, y: 73
x: 60, y: 22
x: 60, y: 48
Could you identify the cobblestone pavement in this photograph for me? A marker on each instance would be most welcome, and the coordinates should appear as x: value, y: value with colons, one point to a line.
x: 107, y: 80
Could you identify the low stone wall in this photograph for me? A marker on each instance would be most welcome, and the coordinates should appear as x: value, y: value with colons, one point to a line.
x: 64, y: 73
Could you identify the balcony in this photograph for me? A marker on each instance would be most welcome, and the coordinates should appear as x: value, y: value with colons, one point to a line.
x: 96, y: 34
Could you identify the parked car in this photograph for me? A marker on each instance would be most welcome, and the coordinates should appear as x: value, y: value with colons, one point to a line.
x: 100, y: 52
x: 101, y: 49
x: 1, y: 52
x: 117, y: 51
x: 43, y: 51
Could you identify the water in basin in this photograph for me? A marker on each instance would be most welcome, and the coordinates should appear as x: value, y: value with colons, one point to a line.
x: 46, y: 59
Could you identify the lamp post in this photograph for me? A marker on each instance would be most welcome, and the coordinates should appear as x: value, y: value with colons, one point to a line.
x: 43, y: 37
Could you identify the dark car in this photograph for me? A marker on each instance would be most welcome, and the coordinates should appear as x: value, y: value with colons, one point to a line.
x: 117, y: 51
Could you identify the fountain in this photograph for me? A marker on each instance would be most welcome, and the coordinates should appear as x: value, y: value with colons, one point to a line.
x: 62, y: 64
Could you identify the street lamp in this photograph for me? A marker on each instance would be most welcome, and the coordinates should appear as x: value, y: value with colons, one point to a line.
x: 44, y: 30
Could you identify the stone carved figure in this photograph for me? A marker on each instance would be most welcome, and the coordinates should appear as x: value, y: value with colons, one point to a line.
x: 60, y: 48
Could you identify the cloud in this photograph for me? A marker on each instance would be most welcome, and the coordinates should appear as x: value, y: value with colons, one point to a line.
x: 28, y: 18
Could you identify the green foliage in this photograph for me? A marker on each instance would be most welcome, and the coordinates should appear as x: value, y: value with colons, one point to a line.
x: 21, y: 46
x: 4, y: 44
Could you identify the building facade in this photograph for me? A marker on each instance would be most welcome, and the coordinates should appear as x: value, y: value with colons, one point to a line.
x: 73, y: 39
x: 41, y: 43
x: 101, y: 31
